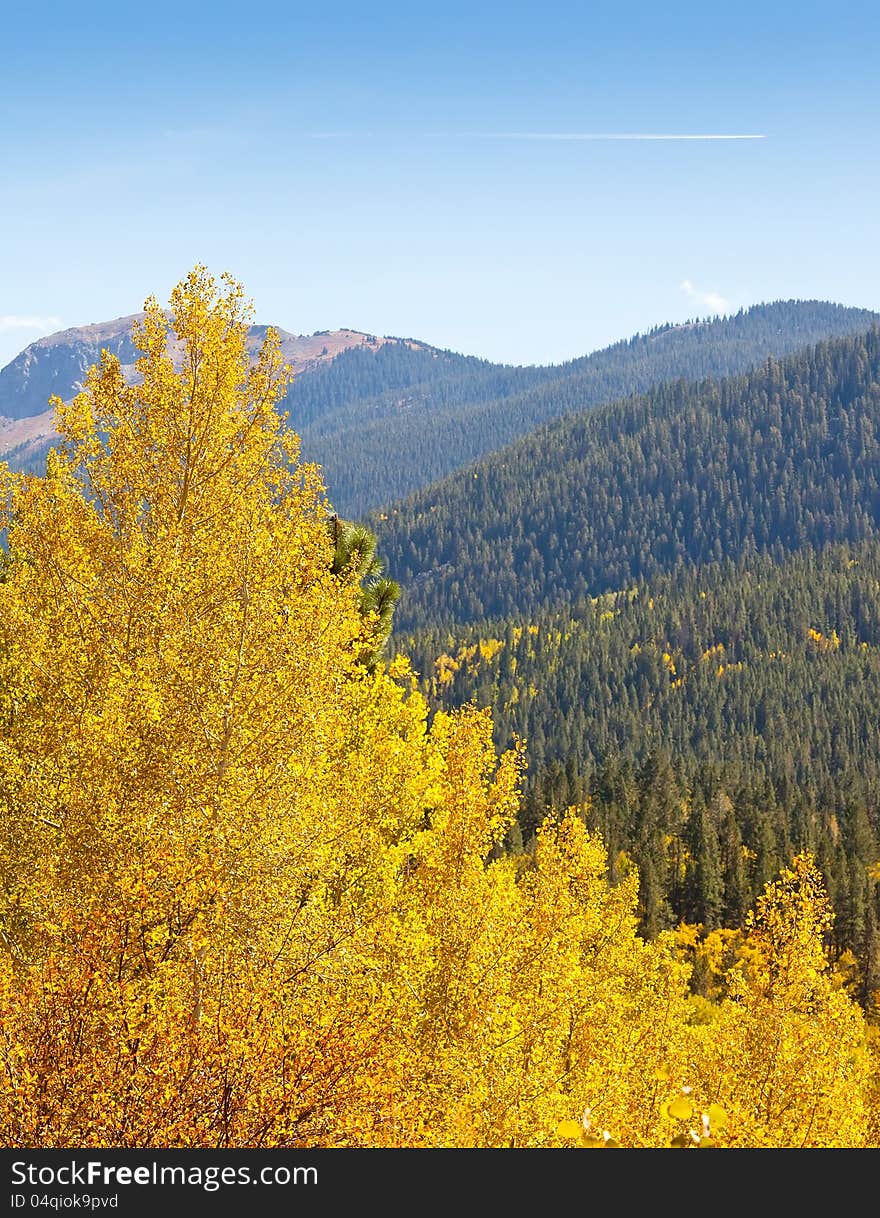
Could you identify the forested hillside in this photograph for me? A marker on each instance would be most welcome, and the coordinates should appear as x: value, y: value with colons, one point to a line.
x: 373, y: 451
x: 781, y: 457
x: 718, y: 720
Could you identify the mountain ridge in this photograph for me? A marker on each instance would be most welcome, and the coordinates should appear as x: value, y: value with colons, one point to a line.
x: 55, y: 364
x: 445, y: 425
x: 688, y: 473
x: 386, y: 416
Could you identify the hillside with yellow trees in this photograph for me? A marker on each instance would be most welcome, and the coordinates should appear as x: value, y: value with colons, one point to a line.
x: 249, y: 898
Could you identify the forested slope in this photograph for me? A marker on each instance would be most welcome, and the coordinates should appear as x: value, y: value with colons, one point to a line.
x: 376, y: 450
x: 781, y: 457
x: 718, y: 719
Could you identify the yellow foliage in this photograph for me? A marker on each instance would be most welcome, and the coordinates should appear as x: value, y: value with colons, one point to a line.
x: 445, y: 668
x: 489, y: 648
x: 823, y: 642
x: 787, y: 1056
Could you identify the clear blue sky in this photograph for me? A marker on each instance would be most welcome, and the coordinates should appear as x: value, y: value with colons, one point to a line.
x: 367, y: 165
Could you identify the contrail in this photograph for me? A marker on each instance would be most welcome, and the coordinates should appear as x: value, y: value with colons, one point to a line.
x: 560, y: 136
x: 601, y: 135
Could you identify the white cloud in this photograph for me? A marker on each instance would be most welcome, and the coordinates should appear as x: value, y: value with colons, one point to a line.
x: 36, y: 325
x: 713, y: 301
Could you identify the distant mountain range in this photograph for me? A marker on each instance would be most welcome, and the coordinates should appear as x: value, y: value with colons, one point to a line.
x: 782, y: 457
x: 388, y: 416
x: 57, y: 364
x: 439, y: 412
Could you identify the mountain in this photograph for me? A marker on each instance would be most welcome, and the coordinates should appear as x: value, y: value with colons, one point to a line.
x: 667, y: 582
x: 715, y: 721
x: 57, y: 364
x: 781, y: 457
x: 386, y: 416
x: 382, y: 449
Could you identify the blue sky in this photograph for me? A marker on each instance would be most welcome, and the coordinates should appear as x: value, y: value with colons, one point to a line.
x: 388, y: 169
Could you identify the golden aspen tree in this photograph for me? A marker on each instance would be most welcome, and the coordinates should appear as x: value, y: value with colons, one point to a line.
x: 873, y: 1088
x: 195, y: 775
x: 786, y: 1057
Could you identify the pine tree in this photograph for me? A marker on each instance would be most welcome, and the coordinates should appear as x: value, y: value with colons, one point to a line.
x: 354, y: 552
